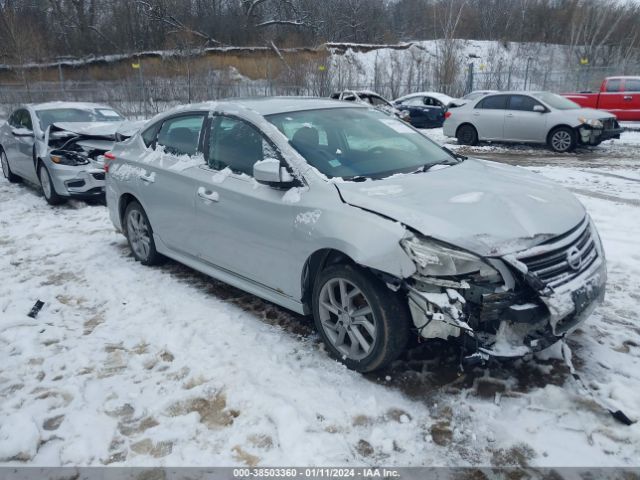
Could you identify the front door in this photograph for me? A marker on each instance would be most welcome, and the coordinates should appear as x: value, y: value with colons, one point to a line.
x: 522, y: 123
x: 243, y: 226
x: 19, y: 147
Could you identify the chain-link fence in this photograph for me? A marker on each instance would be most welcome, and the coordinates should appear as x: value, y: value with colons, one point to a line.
x: 579, y: 79
x: 137, y: 96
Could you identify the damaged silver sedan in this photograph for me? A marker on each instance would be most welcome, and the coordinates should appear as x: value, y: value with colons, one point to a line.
x: 339, y: 211
x: 59, y: 145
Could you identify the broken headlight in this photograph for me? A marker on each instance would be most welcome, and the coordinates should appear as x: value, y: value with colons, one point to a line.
x: 437, y: 260
x: 593, y: 123
x: 68, y: 158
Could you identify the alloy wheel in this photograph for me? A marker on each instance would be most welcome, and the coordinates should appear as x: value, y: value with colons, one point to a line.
x: 138, y: 233
x: 347, y: 318
x: 5, y: 165
x: 45, y: 182
x: 561, y: 140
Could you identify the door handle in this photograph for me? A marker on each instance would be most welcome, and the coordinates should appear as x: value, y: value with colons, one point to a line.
x: 509, y: 115
x: 476, y: 114
x: 628, y: 98
x: 147, y: 178
x: 208, y: 195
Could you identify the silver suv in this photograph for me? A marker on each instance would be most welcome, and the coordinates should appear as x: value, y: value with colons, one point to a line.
x: 337, y: 210
x: 530, y: 117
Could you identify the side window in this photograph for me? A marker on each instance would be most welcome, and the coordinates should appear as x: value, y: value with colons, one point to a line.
x: 236, y: 144
x: 415, y: 101
x: 21, y: 119
x: 149, y: 135
x: 632, y: 85
x: 14, y: 119
x: 494, y: 102
x: 180, y: 135
x: 522, y: 102
x: 613, y: 85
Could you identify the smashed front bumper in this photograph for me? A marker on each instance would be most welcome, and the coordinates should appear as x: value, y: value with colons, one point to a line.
x: 546, y: 293
x: 82, y: 182
x: 589, y: 135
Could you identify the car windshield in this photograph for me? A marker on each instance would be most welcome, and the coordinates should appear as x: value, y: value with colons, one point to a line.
x: 54, y: 115
x: 556, y: 101
x: 356, y: 143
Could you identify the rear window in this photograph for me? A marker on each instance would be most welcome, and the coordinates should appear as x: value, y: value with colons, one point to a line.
x: 613, y: 85
x: 181, y: 135
x: 495, y: 102
x: 632, y: 85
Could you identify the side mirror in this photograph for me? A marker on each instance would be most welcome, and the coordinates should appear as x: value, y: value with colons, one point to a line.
x: 269, y: 172
x: 21, y: 132
x: 539, y: 108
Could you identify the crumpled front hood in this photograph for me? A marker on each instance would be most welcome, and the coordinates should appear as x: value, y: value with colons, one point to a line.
x: 485, y: 207
x: 88, y: 129
x: 590, y: 113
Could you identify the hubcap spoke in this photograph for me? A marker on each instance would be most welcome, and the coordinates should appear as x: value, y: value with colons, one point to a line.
x: 364, y: 344
x: 368, y: 326
x: 344, y: 299
x: 332, y: 308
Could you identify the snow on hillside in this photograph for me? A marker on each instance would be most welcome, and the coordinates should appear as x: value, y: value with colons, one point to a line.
x: 395, y: 70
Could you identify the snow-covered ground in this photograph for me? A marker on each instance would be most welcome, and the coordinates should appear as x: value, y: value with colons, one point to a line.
x: 133, y: 365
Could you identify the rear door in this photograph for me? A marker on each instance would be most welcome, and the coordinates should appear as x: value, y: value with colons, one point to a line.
x: 611, y: 99
x: 167, y: 181
x: 522, y: 123
x: 630, y: 100
x: 242, y: 226
x: 488, y: 117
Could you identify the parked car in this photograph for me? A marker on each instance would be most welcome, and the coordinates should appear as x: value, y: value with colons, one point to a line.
x: 476, y: 94
x: 59, y: 146
x: 530, y: 117
x: 426, y: 109
x: 372, y: 99
x: 337, y: 210
x: 617, y: 95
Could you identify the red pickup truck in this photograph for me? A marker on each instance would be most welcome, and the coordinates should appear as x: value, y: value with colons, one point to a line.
x: 618, y: 95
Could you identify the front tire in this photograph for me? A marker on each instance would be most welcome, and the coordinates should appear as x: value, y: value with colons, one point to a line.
x: 562, y: 140
x: 467, y: 135
x: 6, y: 169
x: 140, y: 235
x: 362, y: 323
x: 48, y: 189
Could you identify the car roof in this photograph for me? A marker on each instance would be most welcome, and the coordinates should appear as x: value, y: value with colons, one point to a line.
x: 266, y: 105
x: 55, y: 105
x: 437, y: 95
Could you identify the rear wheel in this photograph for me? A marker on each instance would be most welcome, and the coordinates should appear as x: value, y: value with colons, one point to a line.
x: 467, y: 135
x: 362, y: 323
x: 6, y: 169
x: 140, y: 235
x: 48, y: 188
x: 562, y: 140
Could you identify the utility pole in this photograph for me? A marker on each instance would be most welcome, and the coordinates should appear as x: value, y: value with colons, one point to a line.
x: 526, y: 74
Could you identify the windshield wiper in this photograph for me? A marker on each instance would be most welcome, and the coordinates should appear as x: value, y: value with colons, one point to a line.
x: 427, y: 166
x: 460, y: 157
x: 356, y: 178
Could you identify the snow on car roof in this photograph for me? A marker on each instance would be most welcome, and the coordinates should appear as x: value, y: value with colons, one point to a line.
x: 265, y: 105
x: 78, y: 105
x: 444, y: 98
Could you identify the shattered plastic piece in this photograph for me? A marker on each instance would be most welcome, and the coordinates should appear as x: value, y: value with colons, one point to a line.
x: 35, y: 309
